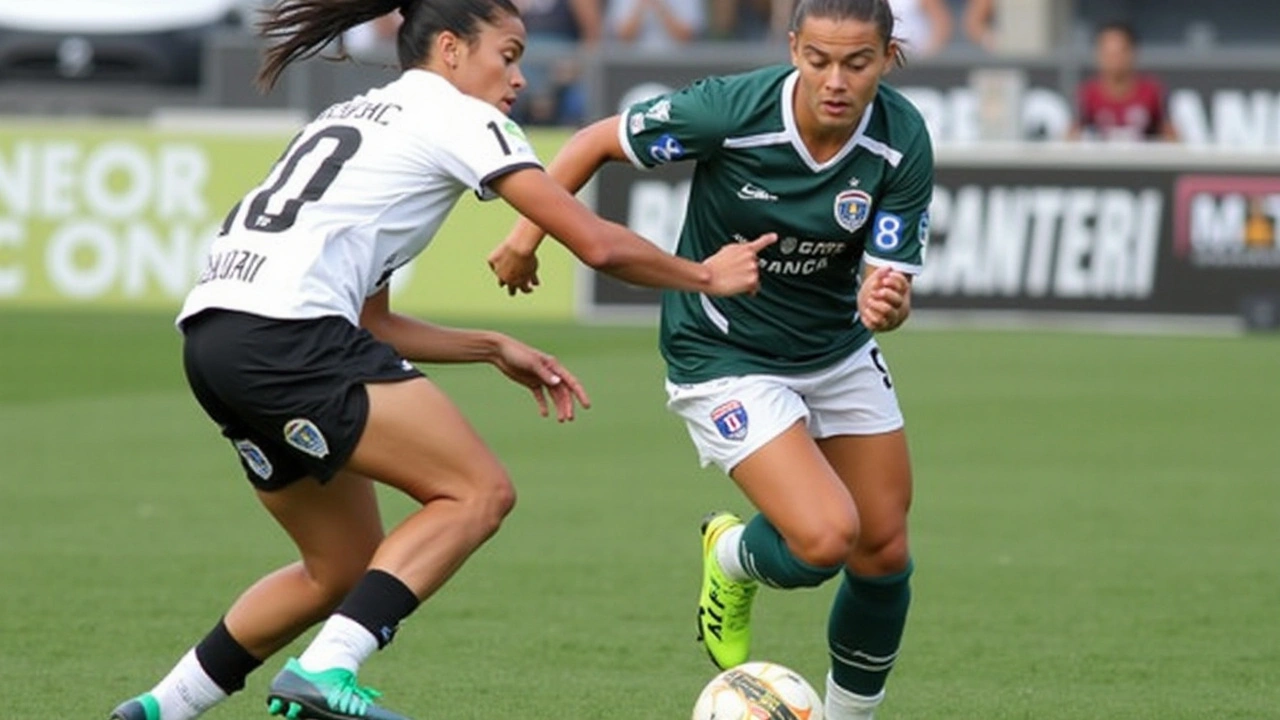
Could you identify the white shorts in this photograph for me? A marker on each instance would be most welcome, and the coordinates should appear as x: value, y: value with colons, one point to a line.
x: 729, y: 418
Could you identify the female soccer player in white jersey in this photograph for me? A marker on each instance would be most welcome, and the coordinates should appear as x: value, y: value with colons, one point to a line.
x: 290, y: 346
x: 786, y: 390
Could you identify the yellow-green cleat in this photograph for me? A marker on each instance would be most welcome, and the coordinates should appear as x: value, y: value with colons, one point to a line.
x: 724, y: 607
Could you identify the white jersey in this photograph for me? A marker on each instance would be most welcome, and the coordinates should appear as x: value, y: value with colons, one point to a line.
x: 359, y: 192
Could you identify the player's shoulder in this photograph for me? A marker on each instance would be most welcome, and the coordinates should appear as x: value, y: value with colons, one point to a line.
x: 427, y: 94
x: 751, y: 88
x: 900, y: 120
x: 419, y: 108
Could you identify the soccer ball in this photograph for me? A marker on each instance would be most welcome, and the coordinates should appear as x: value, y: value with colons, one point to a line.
x: 758, y: 691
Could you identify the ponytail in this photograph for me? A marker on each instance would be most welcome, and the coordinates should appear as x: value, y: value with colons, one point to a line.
x: 299, y: 29
x: 302, y: 28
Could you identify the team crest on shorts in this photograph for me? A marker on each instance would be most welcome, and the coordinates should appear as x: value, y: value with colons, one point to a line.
x: 254, y: 458
x: 852, y: 209
x: 731, y: 420
x: 303, y: 434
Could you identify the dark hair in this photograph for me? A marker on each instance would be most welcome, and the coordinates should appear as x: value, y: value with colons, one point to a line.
x: 876, y: 12
x: 1118, y: 26
x: 303, y: 28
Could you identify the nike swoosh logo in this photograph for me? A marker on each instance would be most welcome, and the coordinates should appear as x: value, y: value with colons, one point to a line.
x: 754, y: 192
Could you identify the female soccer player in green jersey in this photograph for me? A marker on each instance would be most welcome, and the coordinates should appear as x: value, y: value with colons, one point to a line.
x: 787, y: 390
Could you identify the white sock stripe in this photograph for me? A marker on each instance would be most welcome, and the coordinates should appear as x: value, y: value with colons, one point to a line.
x: 749, y: 566
x: 835, y: 646
x: 865, y: 662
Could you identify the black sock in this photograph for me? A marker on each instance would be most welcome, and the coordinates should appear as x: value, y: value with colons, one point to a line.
x: 379, y: 602
x: 224, y: 659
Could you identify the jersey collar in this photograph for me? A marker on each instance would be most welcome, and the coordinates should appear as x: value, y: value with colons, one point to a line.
x: 427, y: 77
x: 793, y: 131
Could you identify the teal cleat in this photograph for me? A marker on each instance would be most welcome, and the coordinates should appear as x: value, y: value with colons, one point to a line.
x: 143, y: 707
x: 328, y: 695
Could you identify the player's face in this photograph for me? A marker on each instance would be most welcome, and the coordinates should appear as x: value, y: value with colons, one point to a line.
x: 1114, y: 53
x: 840, y: 64
x: 489, y: 68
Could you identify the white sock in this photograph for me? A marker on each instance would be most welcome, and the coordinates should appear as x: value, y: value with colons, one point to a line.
x: 842, y: 704
x: 729, y: 555
x: 187, y: 691
x: 341, y: 643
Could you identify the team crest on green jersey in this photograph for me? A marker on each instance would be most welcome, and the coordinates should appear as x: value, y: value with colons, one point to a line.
x: 852, y: 208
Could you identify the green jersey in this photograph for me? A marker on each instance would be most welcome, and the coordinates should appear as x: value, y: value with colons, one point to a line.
x: 754, y: 175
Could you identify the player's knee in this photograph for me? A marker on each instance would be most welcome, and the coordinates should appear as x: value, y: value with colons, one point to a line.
x: 826, y: 545
x: 882, y: 555
x: 491, y: 499
x: 502, y: 498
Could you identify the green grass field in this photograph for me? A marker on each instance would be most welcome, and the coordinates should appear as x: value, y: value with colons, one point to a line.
x: 1095, y: 530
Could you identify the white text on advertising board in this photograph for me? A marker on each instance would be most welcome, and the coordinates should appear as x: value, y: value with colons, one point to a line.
x: 1060, y: 242
x: 115, y: 217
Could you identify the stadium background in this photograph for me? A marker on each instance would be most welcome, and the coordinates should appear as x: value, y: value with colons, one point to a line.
x: 1096, y: 517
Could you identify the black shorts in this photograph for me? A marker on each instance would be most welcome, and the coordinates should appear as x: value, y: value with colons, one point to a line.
x: 288, y: 394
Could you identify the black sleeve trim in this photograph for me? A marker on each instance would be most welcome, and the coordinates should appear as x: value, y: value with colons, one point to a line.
x: 506, y: 170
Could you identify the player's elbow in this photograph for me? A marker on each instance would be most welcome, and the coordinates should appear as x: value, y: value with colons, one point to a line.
x: 596, y: 245
x: 598, y: 255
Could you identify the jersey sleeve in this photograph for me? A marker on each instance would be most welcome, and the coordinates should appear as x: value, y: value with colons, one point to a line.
x: 900, y: 229
x: 689, y: 124
x: 482, y: 145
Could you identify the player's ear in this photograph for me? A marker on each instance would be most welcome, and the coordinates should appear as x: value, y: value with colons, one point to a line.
x: 447, y: 48
x: 894, y: 56
x: 793, y: 43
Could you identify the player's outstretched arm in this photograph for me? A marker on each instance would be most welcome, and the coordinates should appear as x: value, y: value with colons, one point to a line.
x: 515, y: 260
x: 613, y: 249
x: 422, y: 341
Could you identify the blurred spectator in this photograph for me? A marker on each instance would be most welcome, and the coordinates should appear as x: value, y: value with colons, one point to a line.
x: 748, y: 19
x: 555, y: 95
x: 565, y: 21
x: 925, y: 25
x: 374, y: 40
x: 656, y: 24
x: 1120, y: 103
x: 979, y: 23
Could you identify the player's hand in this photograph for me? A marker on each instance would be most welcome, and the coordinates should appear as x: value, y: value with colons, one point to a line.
x: 884, y: 300
x: 735, y: 269
x: 516, y: 271
x: 543, y: 375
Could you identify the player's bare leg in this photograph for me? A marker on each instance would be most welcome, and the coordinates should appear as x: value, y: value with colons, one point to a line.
x: 417, y: 441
